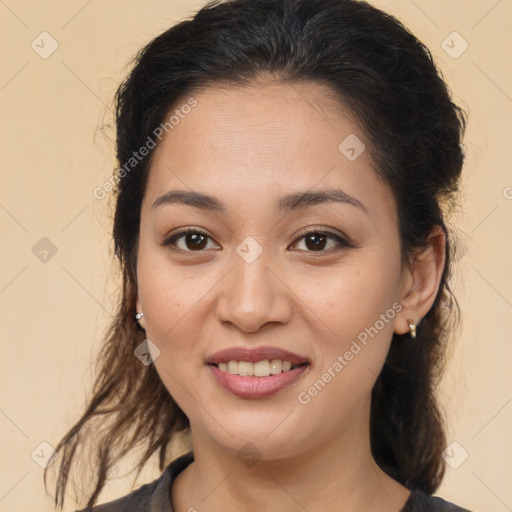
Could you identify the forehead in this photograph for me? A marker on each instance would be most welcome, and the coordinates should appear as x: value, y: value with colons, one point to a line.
x: 261, y: 140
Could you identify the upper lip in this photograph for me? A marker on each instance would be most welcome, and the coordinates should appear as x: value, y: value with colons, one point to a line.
x: 254, y: 355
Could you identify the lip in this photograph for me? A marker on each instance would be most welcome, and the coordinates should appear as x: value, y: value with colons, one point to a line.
x: 253, y: 355
x: 256, y: 387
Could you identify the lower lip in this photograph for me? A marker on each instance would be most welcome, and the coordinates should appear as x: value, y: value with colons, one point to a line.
x: 256, y: 387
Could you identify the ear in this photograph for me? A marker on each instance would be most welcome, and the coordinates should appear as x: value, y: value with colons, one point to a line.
x: 420, y: 281
x: 139, y: 309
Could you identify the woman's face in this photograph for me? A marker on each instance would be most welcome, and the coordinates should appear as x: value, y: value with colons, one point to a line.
x: 254, y: 280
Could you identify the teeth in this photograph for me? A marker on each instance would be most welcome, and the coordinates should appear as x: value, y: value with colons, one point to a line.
x: 276, y: 366
x: 260, y: 369
x: 245, y: 368
x: 233, y: 367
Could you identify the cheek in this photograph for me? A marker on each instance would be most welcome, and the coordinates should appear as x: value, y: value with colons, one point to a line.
x: 171, y: 294
x: 351, y: 298
x: 355, y: 306
x: 174, y: 304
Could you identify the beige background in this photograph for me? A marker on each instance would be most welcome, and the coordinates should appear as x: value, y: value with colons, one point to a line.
x: 57, y: 145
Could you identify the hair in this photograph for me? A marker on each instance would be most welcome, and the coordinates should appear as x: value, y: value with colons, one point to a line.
x: 387, y: 79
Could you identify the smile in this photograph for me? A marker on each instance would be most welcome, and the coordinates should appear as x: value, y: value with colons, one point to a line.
x: 263, y: 368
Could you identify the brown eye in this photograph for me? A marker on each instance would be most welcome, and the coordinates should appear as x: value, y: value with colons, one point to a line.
x: 316, y: 241
x: 195, y: 241
x: 191, y: 240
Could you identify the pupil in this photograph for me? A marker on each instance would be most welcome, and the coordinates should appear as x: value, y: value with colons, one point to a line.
x: 316, y: 245
x: 198, y: 240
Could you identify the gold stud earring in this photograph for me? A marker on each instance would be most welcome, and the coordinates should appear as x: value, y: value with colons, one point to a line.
x: 412, y: 328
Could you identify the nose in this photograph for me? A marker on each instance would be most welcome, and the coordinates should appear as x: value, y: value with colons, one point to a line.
x: 253, y: 295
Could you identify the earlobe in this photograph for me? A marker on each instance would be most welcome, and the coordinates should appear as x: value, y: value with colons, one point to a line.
x: 139, y: 315
x: 421, y: 284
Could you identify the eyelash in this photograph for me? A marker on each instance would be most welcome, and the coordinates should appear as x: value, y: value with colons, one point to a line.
x: 171, y: 240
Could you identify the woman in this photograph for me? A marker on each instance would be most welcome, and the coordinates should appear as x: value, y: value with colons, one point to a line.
x: 284, y: 171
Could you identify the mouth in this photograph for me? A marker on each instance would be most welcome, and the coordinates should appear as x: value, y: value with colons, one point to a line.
x: 263, y: 368
x: 256, y: 373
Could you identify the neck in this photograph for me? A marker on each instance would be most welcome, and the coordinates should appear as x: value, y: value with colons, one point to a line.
x: 337, y: 474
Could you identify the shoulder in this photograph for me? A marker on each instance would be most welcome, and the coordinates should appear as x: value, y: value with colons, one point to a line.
x: 151, y: 497
x: 136, y: 501
x: 421, y: 502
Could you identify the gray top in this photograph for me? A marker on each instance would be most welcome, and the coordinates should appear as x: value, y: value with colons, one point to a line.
x: 156, y: 496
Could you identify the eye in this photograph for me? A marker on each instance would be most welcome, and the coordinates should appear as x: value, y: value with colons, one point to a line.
x: 316, y: 241
x: 194, y: 240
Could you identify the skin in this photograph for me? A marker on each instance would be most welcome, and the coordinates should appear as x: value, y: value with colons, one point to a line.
x: 247, y: 146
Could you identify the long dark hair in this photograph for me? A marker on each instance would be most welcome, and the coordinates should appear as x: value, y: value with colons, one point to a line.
x: 389, y: 82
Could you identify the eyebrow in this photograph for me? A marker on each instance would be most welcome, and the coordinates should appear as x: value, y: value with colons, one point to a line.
x: 287, y: 203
